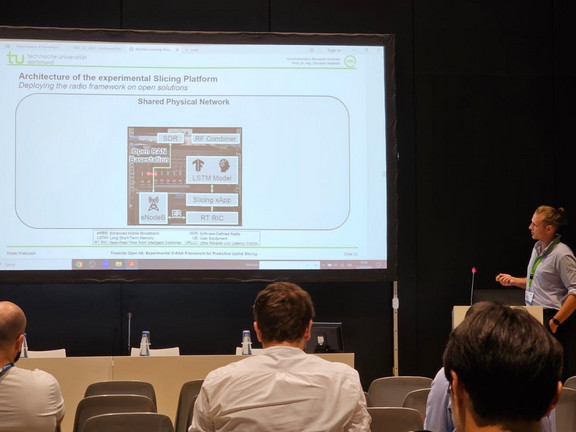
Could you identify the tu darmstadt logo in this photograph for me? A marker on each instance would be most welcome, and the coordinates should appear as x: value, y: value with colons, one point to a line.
x: 14, y: 59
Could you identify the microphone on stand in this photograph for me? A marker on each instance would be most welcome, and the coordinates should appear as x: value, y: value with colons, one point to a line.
x: 129, y: 331
x: 472, y: 288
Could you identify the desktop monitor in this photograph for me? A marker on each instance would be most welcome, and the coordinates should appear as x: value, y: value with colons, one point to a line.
x: 326, y: 337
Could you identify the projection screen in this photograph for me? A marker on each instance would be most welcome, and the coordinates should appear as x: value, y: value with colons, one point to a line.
x: 174, y: 156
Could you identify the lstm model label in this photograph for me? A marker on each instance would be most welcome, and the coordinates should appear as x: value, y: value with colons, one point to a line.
x: 184, y: 176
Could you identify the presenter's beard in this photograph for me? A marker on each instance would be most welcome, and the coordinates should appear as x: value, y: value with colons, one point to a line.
x: 17, y: 357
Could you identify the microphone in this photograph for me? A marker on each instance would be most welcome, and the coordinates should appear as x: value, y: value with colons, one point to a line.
x: 129, y: 331
x: 472, y: 288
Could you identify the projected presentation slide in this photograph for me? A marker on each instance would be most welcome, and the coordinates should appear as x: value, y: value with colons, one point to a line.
x: 132, y: 155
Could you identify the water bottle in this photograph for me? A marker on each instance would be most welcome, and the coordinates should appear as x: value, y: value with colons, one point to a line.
x: 246, y: 343
x: 24, y: 351
x: 145, y: 344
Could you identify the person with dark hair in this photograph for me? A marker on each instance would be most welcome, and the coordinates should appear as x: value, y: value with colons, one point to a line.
x: 551, y: 279
x: 282, y: 389
x: 30, y: 400
x: 504, y: 371
x: 438, y: 405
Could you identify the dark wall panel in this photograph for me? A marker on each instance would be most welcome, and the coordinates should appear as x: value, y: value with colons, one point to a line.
x: 565, y: 112
x: 484, y: 115
x: 483, y: 36
x: 62, y: 13
x: 197, y: 15
x: 84, y: 319
x: 200, y: 319
x: 341, y: 16
x: 349, y: 16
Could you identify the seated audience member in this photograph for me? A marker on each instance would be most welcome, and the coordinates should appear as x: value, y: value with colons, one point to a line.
x: 504, y: 370
x: 30, y: 401
x: 438, y: 406
x: 282, y: 389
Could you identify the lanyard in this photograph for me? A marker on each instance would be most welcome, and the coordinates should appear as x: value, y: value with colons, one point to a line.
x: 539, y: 259
x: 5, y: 368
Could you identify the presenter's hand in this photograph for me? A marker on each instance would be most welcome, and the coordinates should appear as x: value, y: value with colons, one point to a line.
x: 505, y: 279
x: 553, y: 326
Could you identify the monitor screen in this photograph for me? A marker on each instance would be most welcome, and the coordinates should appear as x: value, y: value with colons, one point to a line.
x: 325, y: 337
x: 142, y: 155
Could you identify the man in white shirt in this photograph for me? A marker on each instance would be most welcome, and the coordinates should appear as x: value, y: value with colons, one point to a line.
x: 282, y: 389
x: 30, y: 401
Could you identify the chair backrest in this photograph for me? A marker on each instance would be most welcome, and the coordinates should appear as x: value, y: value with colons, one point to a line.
x: 59, y: 353
x: 417, y: 399
x: 566, y: 411
x: 188, y: 393
x: 105, y: 404
x: 391, y: 391
x: 367, y: 396
x: 157, y: 352
x: 394, y: 419
x: 191, y: 415
x: 129, y: 422
x: 571, y: 382
x: 122, y: 387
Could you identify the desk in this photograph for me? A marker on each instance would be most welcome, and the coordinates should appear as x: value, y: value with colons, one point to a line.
x: 166, y: 374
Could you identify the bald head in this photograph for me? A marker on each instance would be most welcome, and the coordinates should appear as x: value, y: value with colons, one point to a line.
x: 12, y: 323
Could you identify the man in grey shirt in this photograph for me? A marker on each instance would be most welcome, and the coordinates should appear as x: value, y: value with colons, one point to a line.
x: 551, y: 279
x: 30, y: 400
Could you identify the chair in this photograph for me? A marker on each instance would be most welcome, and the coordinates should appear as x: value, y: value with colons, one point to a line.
x: 129, y: 422
x: 417, y: 399
x: 122, y: 387
x: 391, y: 391
x: 186, y: 400
x: 368, y: 401
x: 158, y: 352
x: 191, y: 415
x: 395, y: 419
x: 56, y: 353
x: 566, y: 411
x: 106, y: 404
x: 570, y: 382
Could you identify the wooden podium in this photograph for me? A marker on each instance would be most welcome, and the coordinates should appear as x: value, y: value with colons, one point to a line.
x: 459, y: 312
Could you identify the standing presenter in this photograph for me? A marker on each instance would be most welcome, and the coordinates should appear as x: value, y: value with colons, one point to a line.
x: 551, y: 279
